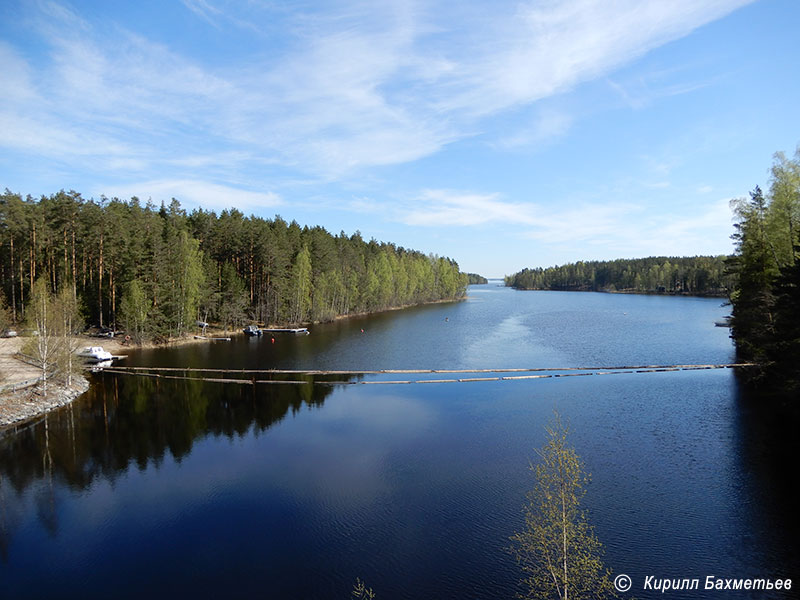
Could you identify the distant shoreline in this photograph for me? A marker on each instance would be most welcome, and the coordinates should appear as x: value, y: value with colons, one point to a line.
x: 629, y: 292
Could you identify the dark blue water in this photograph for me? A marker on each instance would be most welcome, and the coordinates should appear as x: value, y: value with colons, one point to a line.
x: 173, y: 488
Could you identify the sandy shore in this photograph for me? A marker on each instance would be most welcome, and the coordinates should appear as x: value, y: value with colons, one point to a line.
x: 12, y: 370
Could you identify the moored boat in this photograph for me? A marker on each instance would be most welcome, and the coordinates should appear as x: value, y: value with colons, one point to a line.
x: 95, y: 354
x: 252, y: 330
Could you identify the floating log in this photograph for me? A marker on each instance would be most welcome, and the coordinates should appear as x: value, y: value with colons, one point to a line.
x: 643, y: 368
x: 550, y: 373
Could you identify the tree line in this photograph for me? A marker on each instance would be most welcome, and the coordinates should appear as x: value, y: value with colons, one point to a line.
x: 475, y: 279
x: 766, y: 299
x: 697, y: 275
x: 156, y: 271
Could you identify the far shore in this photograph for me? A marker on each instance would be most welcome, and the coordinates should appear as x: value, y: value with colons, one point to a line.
x: 629, y: 292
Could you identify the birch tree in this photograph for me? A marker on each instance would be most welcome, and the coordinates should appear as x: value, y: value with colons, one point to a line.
x: 301, y: 284
x: 69, y: 323
x: 558, y: 551
x: 45, y: 347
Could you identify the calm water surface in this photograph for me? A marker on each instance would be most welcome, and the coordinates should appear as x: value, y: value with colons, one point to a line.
x: 171, y: 488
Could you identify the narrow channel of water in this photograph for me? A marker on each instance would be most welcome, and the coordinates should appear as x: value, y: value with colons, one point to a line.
x: 186, y: 489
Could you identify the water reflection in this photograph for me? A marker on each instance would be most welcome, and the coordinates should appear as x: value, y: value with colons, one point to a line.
x: 768, y: 447
x: 126, y: 420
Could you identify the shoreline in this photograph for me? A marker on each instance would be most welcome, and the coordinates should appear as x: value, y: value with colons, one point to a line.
x: 22, y: 401
x: 26, y: 404
x: 377, y: 312
x: 21, y: 398
x: 628, y: 292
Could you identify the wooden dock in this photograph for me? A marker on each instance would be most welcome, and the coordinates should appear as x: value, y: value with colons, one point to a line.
x: 285, y: 330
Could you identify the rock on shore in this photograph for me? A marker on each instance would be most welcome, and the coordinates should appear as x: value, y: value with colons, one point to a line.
x: 30, y: 402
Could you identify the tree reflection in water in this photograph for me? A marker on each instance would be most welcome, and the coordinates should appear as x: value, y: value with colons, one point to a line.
x: 123, y: 420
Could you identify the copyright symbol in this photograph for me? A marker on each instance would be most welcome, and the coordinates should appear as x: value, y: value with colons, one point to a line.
x: 622, y: 582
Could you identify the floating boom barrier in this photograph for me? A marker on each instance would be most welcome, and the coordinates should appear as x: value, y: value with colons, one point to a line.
x: 248, y: 375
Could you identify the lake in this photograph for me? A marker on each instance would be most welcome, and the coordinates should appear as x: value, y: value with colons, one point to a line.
x: 157, y: 488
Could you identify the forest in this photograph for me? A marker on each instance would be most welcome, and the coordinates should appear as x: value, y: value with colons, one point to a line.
x: 761, y: 279
x: 156, y: 271
x: 475, y: 279
x: 766, y: 299
x: 698, y: 275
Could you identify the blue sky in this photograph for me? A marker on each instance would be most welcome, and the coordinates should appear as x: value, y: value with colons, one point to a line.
x: 500, y: 134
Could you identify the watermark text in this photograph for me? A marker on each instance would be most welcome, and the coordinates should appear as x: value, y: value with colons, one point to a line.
x: 624, y: 583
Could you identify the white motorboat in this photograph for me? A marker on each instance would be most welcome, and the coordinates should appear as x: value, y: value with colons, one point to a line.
x: 95, y: 354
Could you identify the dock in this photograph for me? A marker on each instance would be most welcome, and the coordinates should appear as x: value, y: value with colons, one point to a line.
x: 286, y: 330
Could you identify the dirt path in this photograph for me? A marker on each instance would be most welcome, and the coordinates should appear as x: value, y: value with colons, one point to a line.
x: 13, y: 370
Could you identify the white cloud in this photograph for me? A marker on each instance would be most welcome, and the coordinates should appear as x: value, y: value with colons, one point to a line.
x: 17, y: 84
x: 357, y: 85
x: 576, y: 227
x: 548, y: 47
x: 624, y: 229
x: 447, y: 208
x: 205, y: 10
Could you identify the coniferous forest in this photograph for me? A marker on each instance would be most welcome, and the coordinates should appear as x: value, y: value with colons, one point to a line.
x: 697, y: 275
x: 766, y: 300
x: 761, y: 279
x: 475, y: 279
x: 157, y: 270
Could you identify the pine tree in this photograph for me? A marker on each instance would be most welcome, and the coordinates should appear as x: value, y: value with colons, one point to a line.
x: 756, y: 268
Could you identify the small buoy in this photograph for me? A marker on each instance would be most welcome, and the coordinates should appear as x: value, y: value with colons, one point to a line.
x: 362, y: 331
x: 273, y: 340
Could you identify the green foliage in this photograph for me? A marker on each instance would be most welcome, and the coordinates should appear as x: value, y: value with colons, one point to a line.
x: 203, y: 266
x: 558, y: 551
x: 188, y: 274
x: 5, y: 315
x: 232, y: 308
x: 362, y: 592
x: 475, y: 279
x: 698, y: 275
x: 70, y: 322
x: 756, y: 267
x: 301, y: 286
x: 783, y: 350
x: 766, y: 300
x: 134, y: 310
x: 53, y: 321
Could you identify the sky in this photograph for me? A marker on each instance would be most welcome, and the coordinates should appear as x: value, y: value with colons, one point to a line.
x: 504, y: 134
